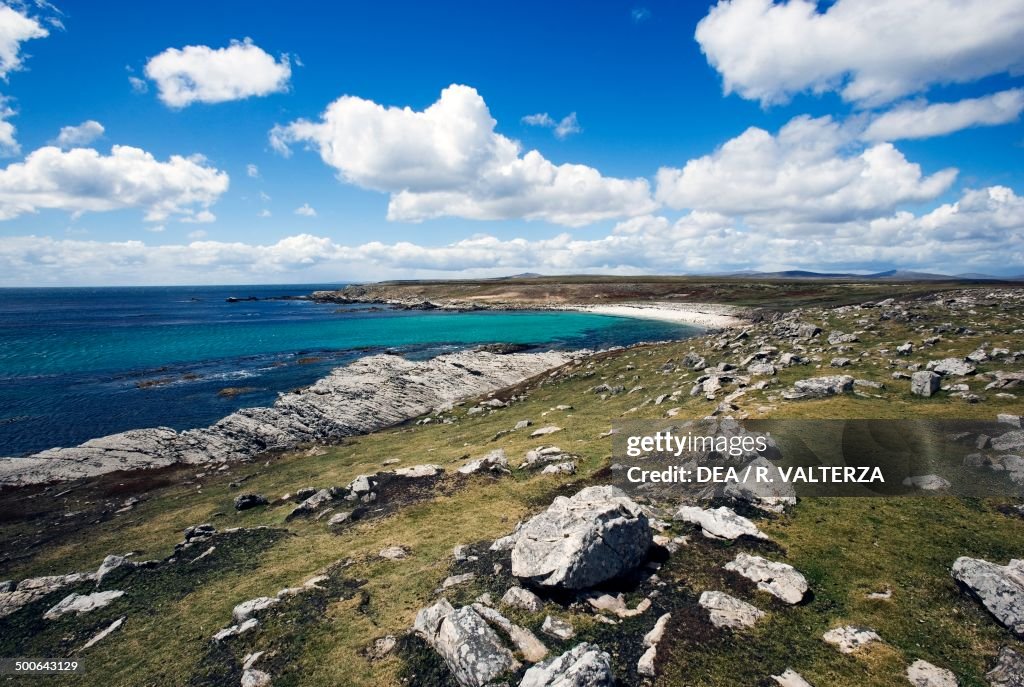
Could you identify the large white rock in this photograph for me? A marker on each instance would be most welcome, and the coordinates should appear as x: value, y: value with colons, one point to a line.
x: 585, y: 665
x: 728, y: 611
x: 581, y: 541
x: 1000, y: 588
x: 469, y: 646
x: 778, y: 579
x: 719, y: 523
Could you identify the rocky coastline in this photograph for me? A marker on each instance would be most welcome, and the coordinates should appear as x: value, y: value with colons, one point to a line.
x: 370, y: 394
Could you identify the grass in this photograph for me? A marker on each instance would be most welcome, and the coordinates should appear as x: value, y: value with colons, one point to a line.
x: 847, y: 547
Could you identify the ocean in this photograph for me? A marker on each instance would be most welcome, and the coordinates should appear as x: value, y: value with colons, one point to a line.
x: 79, y: 363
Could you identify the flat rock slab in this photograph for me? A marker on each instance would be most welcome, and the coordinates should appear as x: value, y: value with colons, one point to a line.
x: 82, y: 603
x: 582, y: 541
x: 728, y: 611
x: 778, y: 579
x: 719, y: 523
x: 1000, y: 588
x: 924, y: 674
x: 849, y: 638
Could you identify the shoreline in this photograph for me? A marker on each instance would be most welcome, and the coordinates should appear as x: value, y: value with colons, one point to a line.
x: 703, y: 315
x: 369, y: 394
x: 249, y: 432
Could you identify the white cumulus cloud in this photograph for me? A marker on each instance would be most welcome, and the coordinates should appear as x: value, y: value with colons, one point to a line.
x: 871, y: 52
x: 15, y: 29
x: 305, y: 210
x: 77, y: 136
x: 447, y: 160
x: 982, y: 231
x: 924, y: 120
x: 84, y: 180
x: 198, y: 73
x: 806, y: 173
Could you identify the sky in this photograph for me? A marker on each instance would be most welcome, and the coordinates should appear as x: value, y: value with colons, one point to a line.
x: 302, y: 142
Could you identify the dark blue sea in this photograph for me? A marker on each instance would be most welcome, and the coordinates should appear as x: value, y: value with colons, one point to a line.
x: 78, y: 363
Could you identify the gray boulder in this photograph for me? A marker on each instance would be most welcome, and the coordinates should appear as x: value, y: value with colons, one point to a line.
x: 820, y: 387
x: 247, y: 501
x: 999, y: 588
x: 924, y: 383
x: 585, y: 665
x: 517, y: 597
x: 1008, y: 670
x: 582, y: 541
x: 1010, y: 441
x: 471, y: 649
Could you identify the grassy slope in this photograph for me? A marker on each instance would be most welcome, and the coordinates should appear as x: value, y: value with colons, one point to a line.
x: 846, y: 547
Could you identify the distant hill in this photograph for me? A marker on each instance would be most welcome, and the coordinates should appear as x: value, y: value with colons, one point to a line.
x: 888, y: 275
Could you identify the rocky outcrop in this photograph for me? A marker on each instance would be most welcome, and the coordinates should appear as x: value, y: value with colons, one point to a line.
x: 778, y: 579
x: 82, y: 603
x: 35, y: 588
x: 1000, y: 588
x: 370, y: 394
x: 578, y: 542
x: 585, y: 665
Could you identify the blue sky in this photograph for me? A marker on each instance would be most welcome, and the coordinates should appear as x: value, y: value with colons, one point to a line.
x: 870, y: 187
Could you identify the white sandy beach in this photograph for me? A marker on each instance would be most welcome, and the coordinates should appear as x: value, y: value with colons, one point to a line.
x: 710, y: 315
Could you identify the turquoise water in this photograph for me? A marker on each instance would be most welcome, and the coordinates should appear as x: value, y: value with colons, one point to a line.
x: 81, y: 363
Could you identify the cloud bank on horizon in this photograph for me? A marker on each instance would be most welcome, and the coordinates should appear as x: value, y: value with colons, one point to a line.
x: 839, y: 189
